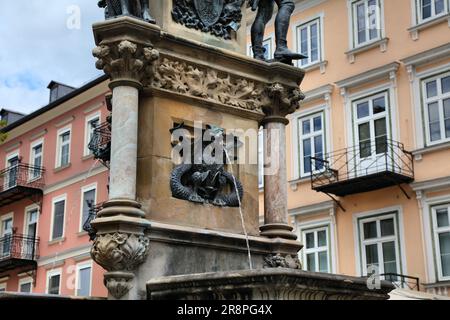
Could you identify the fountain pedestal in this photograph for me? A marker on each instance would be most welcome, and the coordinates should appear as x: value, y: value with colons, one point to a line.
x: 157, y: 225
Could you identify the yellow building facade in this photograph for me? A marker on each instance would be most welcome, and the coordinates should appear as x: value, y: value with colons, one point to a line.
x: 369, y: 150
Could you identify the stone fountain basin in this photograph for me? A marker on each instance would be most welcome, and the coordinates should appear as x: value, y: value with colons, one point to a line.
x: 265, y: 284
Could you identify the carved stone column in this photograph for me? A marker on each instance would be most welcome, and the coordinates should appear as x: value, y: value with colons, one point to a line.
x: 127, y: 56
x: 279, y: 101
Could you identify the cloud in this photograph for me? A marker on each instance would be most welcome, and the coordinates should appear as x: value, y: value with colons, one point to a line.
x: 37, y: 45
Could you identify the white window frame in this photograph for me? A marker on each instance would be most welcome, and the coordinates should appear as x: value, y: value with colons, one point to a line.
x: 33, y: 157
x: 418, y: 11
x: 382, y: 214
x: 79, y: 267
x: 3, y: 286
x: 270, y: 40
x: 353, y: 21
x: 10, y: 156
x: 28, y: 209
x: 261, y: 158
x: 54, y: 201
x: 324, y: 108
x: 310, y: 136
x: 439, y: 98
x: 317, y: 250
x: 435, y: 234
x: 320, y: 34
x: 83, y: 191
x: 26, y: 281
x: 51, y: 273
x: 3, y: 218
x: 332, y: 240
x: 59, y: 145
x: 87, y: 131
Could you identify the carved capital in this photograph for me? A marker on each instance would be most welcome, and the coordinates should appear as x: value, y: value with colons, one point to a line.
x: 279, y: 100
x: 126, y: 61
x: 278, y: 260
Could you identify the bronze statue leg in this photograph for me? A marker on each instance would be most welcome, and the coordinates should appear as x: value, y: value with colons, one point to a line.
x: 263, y: 16
x: 125, y: 4
x: 282, y: 22
x: 146, y: 11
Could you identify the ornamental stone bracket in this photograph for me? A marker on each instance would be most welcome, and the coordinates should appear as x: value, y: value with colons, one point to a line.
x: 278, y: 260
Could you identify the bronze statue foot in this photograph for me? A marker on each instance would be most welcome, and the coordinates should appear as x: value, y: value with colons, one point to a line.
x: 147, y: 17
x: 284, y: 55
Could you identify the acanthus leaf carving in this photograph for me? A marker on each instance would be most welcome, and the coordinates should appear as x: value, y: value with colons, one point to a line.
x: 278, y: 260
x: 120, y: 251
x: 207, y: 83
x: 126, y: 60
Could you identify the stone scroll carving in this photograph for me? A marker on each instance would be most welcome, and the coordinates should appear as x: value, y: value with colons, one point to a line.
x: 126, y: 60
x: 279, y: 260
x: 217, y: 17
x: 186, y: 79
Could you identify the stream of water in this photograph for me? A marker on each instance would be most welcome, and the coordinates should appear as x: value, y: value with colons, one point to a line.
x: 250, y: 263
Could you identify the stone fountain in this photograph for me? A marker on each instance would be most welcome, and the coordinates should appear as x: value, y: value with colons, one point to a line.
x: 185, y: 231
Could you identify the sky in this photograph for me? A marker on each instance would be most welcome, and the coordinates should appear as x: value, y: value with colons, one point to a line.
x: 44, y: 40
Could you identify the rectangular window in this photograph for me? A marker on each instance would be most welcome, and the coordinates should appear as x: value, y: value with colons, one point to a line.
x: 53, y: 282
x: 25, y: 286
x: 316, y: 253
x: 64, y: 148
x: 88, y: 201
x: 436, y: 102
x: 58, y: 219
x: 441, y: 230
x: 32, y: 217
x: 366, y: 21
x: 379, y: 243
x: 84, y: 280
x: 311, y: 143
x: 6, y: 234
x: 309, y: 42
x: 12, y: 176
x: 36, y: 161
x: 431, y: 9
x: 91, y: 123
x: 261, y: 159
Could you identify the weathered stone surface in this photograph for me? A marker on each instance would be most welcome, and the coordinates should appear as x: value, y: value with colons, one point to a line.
x: 267, y: 284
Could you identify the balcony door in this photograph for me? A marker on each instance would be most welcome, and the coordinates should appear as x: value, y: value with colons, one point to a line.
x: 12, y: 172
x: 6, y: 237
x: 372, y: 132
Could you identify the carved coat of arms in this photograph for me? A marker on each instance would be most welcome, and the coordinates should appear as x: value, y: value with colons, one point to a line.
x: 209, y: 11
x: 218, y: 17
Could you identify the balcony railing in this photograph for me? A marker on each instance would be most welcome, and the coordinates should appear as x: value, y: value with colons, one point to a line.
x: 403, y: 282
x: 363, y: 168
x: 100, y: 143
x: 20, y: 181
x: 94, y: 210
x: 18, y: 250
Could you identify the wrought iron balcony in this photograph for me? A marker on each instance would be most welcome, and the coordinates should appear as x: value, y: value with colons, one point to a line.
x: 403, y: 282
x: 100, y: 143
x: 19, y: 182
x: 18, y: 250
x: 94, y: 210
x: 363, y: 168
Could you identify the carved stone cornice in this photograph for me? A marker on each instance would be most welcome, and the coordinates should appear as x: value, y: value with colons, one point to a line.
x: 126, y: 61
x: 208, y: 83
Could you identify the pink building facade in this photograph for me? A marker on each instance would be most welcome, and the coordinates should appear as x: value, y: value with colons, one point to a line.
x: 49, y: 183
